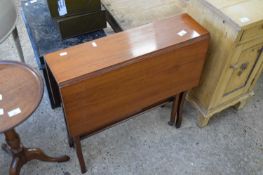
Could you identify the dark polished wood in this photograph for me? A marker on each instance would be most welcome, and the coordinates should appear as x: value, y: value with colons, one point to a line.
x: 21, y: 155
x: 21, y: 88
x: 174, y: 112
x: 80, y: 155
x: 120, y: 49
x: 110, y: 79
x: 180, y: 110
x: 177, y: 110
x: 52, y: 87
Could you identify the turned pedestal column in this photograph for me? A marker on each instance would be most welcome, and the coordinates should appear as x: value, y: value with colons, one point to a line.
x: 21, y: 92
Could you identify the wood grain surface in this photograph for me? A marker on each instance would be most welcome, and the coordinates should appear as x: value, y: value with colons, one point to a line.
x: 108, y: 80
x: 20, y: 87
x: 235, y: 58
x: 128, y: 71
x: 241, y: 13
x: 118, y: 50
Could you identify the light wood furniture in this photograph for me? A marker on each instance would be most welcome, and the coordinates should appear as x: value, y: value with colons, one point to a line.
x: 126, y: 14
x: 21, y: 92
x: 110, y: 79
x: 235, y: 56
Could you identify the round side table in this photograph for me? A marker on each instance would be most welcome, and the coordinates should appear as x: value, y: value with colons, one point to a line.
x: 21, y: 91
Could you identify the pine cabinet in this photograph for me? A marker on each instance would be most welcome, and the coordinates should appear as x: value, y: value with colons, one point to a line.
x: 235, y: 57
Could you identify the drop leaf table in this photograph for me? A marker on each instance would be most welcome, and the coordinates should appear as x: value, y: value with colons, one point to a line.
x: 108, y: 80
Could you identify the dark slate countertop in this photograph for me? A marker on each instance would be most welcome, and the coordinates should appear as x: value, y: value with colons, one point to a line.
x: 43, y: 32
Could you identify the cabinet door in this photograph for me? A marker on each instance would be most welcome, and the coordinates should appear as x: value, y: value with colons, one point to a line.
x: 242, y: 70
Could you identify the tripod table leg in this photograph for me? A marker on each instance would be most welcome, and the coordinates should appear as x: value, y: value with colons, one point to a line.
x: 22, y: 155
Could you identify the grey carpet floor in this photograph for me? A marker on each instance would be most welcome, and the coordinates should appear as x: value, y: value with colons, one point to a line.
x: 232, y: 144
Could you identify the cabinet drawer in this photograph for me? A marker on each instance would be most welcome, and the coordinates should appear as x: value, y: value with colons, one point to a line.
x: 242, y: 71
x: 252, y: 33
x: 61, y: 8
x: 80, y: 24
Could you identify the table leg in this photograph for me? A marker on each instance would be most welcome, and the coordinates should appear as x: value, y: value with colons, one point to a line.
x: 180, y: 110
x: 18, y: 45
x: 113, y: 23
x: 175, y: 104
x: 52, y: 88
x: 177, y: 107
x: 80, y: 155
x: 22, y: 155
x: 7, y: 149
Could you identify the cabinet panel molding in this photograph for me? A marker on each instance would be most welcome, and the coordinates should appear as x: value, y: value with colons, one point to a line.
x: 235, y: 58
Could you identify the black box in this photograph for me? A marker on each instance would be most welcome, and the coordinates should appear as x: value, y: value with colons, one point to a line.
x: 80, y: 24
x: 63, y: 8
